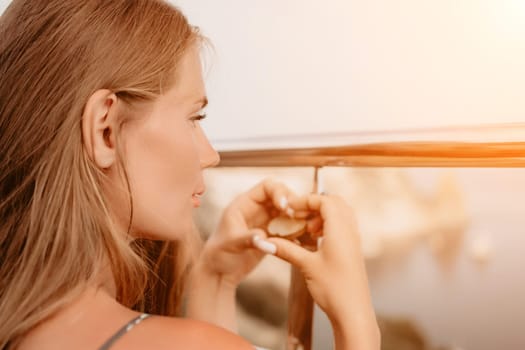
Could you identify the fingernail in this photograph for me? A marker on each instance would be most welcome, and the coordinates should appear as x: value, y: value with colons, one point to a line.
x: 264, y: 246
x: 290, y: 212
x: 283, y: 202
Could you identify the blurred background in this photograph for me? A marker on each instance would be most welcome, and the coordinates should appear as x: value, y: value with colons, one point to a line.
x: 444, y: 251
x: 445, y: 247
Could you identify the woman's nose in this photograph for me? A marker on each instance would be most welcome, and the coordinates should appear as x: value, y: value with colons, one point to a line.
x: 209, y: 157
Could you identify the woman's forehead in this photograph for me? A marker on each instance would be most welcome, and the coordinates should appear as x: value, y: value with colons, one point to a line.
x: 189, y: 85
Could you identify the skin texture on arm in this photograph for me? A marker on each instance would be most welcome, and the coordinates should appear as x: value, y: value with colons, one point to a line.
x: 212, y: 299
x: 356, y: 334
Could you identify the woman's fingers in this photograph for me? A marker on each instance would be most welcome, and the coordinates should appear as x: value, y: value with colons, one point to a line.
x: 290, y: 252
x: 307, y: 203
x: 332, y: 211
x: 275, y: 192
x: 243, y: 241
x: 283, y: 249
x: 264, y: 245
x: 314, y: 224
x: 316, y: 234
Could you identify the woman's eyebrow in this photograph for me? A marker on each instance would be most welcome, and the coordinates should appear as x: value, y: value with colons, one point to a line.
x: 203, y: 101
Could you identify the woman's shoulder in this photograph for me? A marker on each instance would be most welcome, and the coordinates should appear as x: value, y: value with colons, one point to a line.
x: 96, y: 318
x: 168, y: 333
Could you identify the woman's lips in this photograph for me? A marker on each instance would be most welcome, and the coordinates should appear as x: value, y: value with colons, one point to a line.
x: 196, y: 197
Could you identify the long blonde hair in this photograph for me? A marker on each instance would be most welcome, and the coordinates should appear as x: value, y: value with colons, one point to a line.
x: 55, y: 227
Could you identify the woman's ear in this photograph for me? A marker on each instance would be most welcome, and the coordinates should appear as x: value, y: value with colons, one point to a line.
x: 99, y: 127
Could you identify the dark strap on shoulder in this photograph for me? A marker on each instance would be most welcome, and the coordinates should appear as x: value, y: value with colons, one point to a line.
x: 129, y: 326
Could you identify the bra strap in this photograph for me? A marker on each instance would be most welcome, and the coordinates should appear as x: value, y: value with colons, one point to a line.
x: 129, y: 326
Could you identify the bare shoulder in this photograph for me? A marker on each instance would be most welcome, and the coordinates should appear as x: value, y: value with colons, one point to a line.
x: 95, y: 317
x: 167, y: 333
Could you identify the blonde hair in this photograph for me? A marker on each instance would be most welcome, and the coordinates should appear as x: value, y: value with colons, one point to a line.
x: 55, y: 227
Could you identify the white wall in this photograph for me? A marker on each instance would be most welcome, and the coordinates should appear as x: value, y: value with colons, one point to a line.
x: 302, y: 66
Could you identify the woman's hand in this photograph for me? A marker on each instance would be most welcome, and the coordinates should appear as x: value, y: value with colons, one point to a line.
x: 230, y: 252
x: 335, y: 274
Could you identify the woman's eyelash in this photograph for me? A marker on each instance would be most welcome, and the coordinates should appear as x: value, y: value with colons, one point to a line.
x: 199, y: 117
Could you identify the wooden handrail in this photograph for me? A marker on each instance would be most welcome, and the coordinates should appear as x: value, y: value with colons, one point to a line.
x: 390, y: 154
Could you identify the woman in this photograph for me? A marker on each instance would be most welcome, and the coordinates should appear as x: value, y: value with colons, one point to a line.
x: 100, y: 168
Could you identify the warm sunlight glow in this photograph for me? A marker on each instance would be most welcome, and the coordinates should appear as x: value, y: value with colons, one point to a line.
x: 508, y: 18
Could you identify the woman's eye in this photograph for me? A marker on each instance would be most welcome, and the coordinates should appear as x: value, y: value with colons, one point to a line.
x: 197, y: 118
